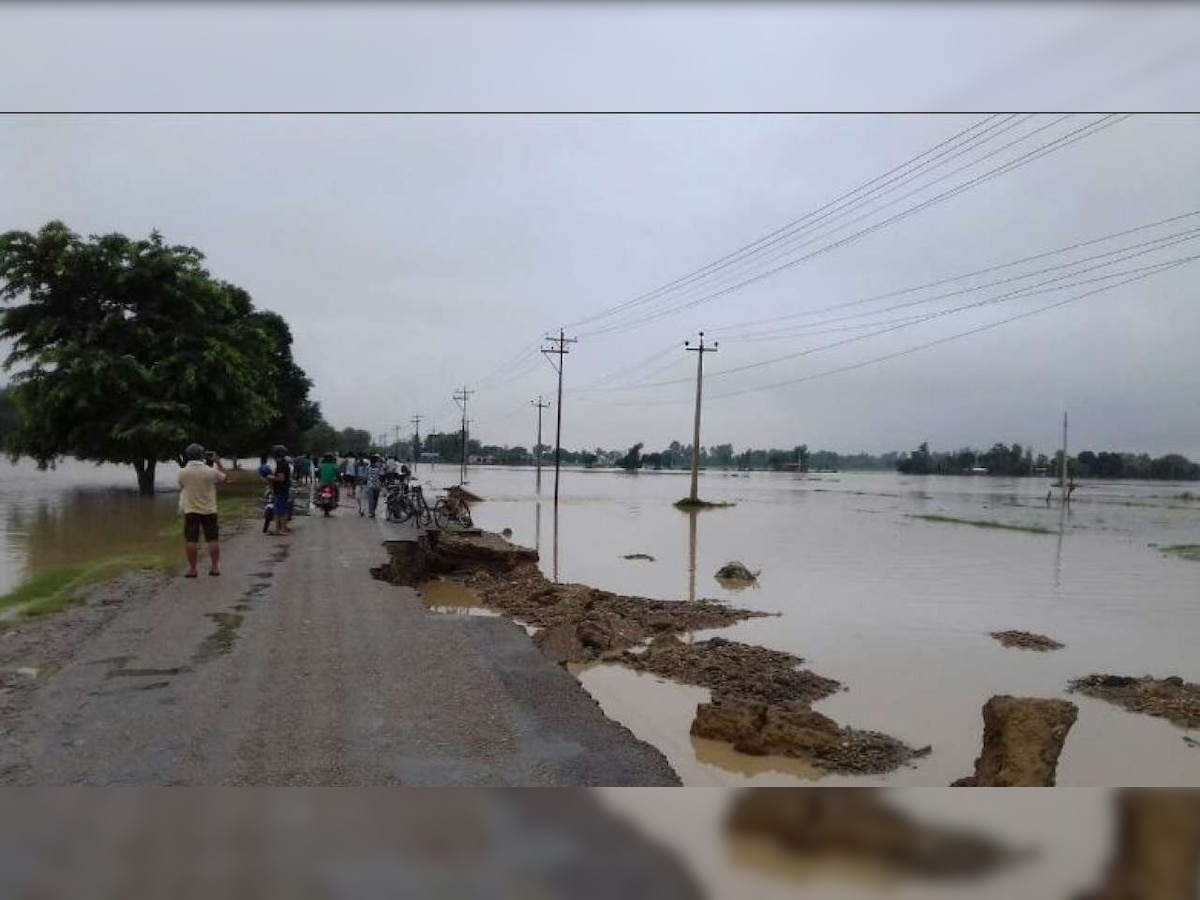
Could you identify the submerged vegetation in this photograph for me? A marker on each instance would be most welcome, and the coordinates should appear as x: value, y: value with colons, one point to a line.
x: 689, y: 503
x: 1190, y: 552
x: 984, y: 523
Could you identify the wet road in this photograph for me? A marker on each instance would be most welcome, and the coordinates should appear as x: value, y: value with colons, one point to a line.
x: 296, y: 667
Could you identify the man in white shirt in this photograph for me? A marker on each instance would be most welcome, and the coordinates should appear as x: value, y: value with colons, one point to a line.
x: 198, y: 503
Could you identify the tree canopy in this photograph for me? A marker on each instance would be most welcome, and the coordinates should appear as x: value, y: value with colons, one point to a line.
x: 125, y: 350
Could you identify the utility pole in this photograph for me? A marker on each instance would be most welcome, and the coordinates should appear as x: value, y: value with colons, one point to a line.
x: 1063, y: 467
x: 416, y: 421
x: 461, y: 397
x: 699, y: 350
x: 537, y: 448
x: 560, y: 350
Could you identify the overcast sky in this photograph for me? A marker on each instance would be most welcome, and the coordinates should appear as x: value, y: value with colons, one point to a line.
x: 413, y: 254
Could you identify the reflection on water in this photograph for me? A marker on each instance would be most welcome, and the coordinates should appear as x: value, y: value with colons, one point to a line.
x: 899, y: 609
x: 445, y: 596
x: 723, y: 756
x: 692, y: 515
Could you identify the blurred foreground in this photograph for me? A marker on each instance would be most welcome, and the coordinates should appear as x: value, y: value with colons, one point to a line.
x: 628, y: 843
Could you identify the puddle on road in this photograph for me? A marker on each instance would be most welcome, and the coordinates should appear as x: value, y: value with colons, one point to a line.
x: 452, y: 598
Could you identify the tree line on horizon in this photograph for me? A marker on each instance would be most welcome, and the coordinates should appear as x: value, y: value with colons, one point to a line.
x: 1015, y: 461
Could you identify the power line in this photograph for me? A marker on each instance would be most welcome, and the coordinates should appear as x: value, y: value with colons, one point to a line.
x: 1052, y: 146
x: 994, y: 268
x: 741, y: 250
x: 1029, y: 290
x: 1169, y: 240
x: 934, y: 343
x: 787, y: 242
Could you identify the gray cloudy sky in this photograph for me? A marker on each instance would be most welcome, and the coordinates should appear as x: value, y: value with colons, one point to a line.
x: 416, y: 253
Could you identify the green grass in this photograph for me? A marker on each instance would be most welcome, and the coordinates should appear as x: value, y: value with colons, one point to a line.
x: 985, y: 523
x: 1190, y: 552
x: 52, y: 592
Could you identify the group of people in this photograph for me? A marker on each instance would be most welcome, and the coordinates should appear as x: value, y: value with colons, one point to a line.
x: 365, y: 476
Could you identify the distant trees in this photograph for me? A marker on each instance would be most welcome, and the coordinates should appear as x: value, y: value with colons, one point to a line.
x: 125, y: 350
x: 1018, y: 461
x: 632, y: 460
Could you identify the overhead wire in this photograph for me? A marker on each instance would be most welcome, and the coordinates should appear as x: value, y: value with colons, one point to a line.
x: 1029, y: 290
x: 927, y: 345
x: 839, y: 209
x: 800, y: 330
x: 1059, y: 143
x: 993, y: 268
x: 703, y: 270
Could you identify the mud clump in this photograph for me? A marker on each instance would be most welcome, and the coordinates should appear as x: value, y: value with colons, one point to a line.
x: 1157, y: 847
x: 1026, y: 640
x: 728, y: 668
x: 762, y: 705
x: 796, y: 730
x: 1022, y: 740
x: 1165, y: 698
x: 411, y: 563
x: 737, y: 572
x: 859, y: 826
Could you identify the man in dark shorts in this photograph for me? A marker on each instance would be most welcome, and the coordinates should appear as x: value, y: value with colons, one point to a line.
x: 281, y: 486
x: 198, y: 502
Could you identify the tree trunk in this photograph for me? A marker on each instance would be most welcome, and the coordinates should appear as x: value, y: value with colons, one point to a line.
x: 145, y: 474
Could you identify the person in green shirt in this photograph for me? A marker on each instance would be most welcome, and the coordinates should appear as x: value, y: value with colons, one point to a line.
x: 327, y: 473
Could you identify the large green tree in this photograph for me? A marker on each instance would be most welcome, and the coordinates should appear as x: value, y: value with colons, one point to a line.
x: 125, y: 350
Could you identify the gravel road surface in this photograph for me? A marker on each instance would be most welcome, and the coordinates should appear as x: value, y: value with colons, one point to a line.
x: 296, y: 667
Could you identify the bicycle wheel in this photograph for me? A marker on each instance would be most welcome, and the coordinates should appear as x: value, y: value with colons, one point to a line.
x: 442, y: 517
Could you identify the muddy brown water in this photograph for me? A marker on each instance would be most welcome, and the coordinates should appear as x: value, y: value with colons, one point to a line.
x: 897, y: 608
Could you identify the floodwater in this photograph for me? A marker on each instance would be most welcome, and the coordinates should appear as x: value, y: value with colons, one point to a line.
x: 897, y: 608
x: 77, y: 513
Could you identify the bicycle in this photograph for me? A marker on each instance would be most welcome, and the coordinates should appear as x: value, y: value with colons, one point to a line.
x: 451, y: 510
x: 411, y: 506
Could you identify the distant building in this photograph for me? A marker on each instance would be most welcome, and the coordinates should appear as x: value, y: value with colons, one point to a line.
x: 430, y: 457
x: 481, y: 460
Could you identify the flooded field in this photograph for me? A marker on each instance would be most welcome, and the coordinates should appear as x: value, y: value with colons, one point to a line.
x: 75, y: 514
x: 891, y: 585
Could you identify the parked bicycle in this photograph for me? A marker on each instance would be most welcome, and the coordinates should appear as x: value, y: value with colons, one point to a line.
x: 452, y: 510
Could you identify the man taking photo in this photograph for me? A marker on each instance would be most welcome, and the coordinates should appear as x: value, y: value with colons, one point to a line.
x: 198, y: 502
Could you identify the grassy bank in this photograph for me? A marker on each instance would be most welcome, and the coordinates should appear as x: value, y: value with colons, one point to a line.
x: 55, y: 590
x: 985, y: 523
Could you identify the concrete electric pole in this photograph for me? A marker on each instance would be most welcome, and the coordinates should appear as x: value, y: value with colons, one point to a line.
x: 699, y: 350
x: 537, y: 448
x: 560, y: 350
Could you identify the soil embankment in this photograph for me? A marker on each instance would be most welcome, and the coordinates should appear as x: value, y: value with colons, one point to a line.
x: 761, y: 699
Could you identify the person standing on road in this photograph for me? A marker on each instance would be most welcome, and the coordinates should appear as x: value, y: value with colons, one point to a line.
x: 371, y: 485
x: 198, y: 502
x: 281, y: 485
x: 361, y: 464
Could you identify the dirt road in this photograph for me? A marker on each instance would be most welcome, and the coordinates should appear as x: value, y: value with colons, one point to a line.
x: 296, y: 667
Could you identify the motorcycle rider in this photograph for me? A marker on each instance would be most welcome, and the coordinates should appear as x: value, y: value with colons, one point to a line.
x: 327, y: 474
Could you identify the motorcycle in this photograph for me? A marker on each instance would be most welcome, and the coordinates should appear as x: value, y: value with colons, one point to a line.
x: 326, y: 499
